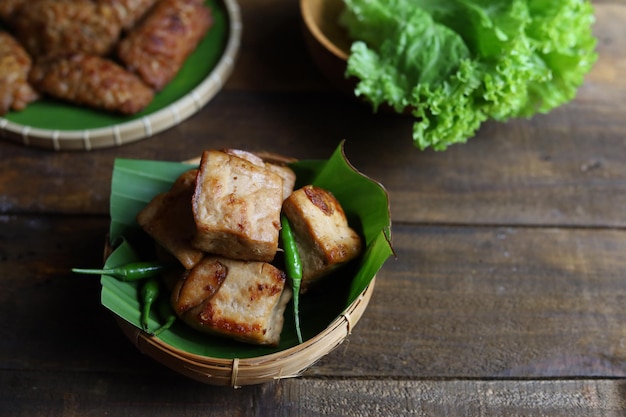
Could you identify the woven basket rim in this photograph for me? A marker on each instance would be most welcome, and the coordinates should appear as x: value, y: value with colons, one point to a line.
x: 146, y: 126
x: 237, y: 372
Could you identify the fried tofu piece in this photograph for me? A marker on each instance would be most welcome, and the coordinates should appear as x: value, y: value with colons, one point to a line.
x: 286, y: 173
x: 242, y: 300
x: 92, y: 81
x: 288, y: 176
x: 168, y: 219
x: 15, y: 64
x: 50, y: 28
x: 236, y: 207
x: 129, y: 12
x: 323, y: 237
x: 158, y: 46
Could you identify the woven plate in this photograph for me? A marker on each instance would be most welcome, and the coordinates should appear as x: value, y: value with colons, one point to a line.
x: 59, y: 126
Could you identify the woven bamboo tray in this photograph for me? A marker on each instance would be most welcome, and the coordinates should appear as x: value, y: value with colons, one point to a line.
x: 220, y: 362
x: 117, y: 134
x: 237, y: 372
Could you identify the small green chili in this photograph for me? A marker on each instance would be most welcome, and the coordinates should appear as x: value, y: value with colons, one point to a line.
x: 129, y: 272
x: 166, y: 313
x: 149, y: 294
x: 293, y: 265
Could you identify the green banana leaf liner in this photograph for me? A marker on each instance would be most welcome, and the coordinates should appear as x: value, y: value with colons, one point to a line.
x: 365, y: 202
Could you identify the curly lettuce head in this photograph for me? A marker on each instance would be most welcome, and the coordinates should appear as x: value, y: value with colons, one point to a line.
x: 455, y: 64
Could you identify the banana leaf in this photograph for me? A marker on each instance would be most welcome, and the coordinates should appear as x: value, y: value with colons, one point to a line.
x: 365, y: 202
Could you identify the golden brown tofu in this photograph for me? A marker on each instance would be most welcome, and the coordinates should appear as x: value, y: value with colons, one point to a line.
x: 238, y: 299
x: 323, y: 236
x: 92, y: 81
x: 61, y: 27
x: 158, y: 46
x: 168, y: 219
x: 286, y: 173
x: 288, y: 176
x: 236, y: 207
x: 15, y: 64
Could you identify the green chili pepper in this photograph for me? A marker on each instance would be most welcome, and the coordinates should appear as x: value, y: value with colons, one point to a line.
x: 293, y: 265
x: 149, y: 294
x: 129, y: 272
x: 166, y: 313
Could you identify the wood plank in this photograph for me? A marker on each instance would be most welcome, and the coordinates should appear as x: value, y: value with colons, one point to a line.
x: 466, y: 302
x: 458, y: 302
x: 563, y: 177
x: 455, y: 398
x: 82, y: 393
x: 565, y: 168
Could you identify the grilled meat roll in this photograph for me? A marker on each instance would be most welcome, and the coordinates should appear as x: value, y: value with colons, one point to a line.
x: 8, y: 8
x: 157, y: 48
x: 92, y: 81
x: 15, y: 64
x: 129, y: 12
x: 49, y: 28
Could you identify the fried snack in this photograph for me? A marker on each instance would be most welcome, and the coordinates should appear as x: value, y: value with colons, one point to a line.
x: 238, y: 299
x: 321, y: 231
x: 8, y: 7
x: 236, y: 206
x: 157, y: 48
x: 92, y: 81
x: 129, y: 12
x: 49, y: 28
x: 168, y: 219
x: 282, y: 170
x: 15, y: 92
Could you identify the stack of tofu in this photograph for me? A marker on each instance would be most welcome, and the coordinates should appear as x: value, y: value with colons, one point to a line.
x: 221, y: 222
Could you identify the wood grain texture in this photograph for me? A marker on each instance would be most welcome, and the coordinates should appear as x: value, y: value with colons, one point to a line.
x: 565, y: 168
x: 506, y: 298
x: 458, y: 302
x: 89, y: 394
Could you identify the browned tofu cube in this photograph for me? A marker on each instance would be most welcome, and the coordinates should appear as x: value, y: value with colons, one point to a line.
x: 288, y: 176
x: 323, y: 236
x: 236, y: 207
x: 168, y: 219
x: 286, y: 173
x: 238, y: 299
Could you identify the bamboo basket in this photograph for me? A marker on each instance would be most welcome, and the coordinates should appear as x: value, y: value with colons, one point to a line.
x: 288, y: 363
x: 234, y: 371
x: 146, y: 126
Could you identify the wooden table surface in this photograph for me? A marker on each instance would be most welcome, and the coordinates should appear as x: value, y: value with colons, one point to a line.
x: 507, y: 297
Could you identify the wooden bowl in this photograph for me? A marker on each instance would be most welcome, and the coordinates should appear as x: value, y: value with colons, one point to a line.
x: 328, y: 43
x: 329, y: 46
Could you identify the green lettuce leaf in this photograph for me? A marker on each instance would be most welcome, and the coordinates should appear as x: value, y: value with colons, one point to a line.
x: 454, y: 64
x: 561, y: 34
